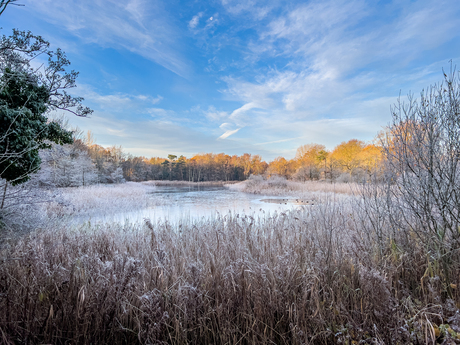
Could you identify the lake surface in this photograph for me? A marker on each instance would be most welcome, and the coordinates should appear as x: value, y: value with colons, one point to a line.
x: 192, y: 203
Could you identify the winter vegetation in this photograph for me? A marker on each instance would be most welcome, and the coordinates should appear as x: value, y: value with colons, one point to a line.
x: 98, y: 199
x: 320, y: 275
x: 277, y: 185
x: 373, y: 258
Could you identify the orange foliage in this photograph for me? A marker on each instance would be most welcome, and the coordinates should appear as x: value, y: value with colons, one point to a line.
x: 347, y: 154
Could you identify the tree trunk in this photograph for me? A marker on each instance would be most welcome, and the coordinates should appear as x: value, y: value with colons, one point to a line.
x: 4, y: 195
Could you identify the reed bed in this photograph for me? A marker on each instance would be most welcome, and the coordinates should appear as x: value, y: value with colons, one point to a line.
x: 188, y: 183
x: 277, y: 186
x: 321, y: 275
x: 96, y: 199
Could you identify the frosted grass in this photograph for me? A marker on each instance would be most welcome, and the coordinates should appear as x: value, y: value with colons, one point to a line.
x: 96, y: 199
x: 316, y: 191
x: 171, y: 202
x: 309, y: 276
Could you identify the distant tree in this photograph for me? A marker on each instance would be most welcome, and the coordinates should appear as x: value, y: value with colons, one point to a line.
x: 308, y: 159
x: 171, y: 162
x: 347, y: 155
x: 281, y: 167
x: 322, y: 158
x: 258, y: 166
x: 66, y: 166
x: 180, y: 166
x: 370, y: 159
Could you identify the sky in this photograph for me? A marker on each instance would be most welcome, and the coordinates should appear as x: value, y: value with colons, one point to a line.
x: 253, y: 76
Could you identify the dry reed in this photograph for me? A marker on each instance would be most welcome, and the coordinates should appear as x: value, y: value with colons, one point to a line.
x: 321, y: 275
x: 308, y: 190
x: 188, y: 183
x: 96, y: 199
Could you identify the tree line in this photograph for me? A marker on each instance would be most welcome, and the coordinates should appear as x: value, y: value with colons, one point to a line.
x: 84, y: 162
x: 351, y: 160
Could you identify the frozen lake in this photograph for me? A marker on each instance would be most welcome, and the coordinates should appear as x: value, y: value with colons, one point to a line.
x: 192, y: 203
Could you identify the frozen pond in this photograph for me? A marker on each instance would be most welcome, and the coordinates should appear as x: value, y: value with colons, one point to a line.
x: 192, y: 203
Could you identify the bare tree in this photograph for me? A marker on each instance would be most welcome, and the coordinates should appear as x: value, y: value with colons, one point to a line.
x: 5, y: 3
x: 422, y: 154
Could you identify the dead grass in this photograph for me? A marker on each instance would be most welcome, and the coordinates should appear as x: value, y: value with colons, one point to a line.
x: 188, y: 183
x: 97, y: 199
x: 308, y: 190
x: 316, y: 276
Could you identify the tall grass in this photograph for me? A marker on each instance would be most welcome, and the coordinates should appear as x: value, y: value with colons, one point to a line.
x: 280, y: 186
x: 321, y: 275
x: 96, y: 199
x: 188, y: 183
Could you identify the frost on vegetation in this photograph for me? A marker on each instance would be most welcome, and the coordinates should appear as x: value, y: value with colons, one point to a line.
x: 100, y: 199
x: 313, y: 273
x: 280, y: 186
x: 21, y: 210
x: 74, y: 166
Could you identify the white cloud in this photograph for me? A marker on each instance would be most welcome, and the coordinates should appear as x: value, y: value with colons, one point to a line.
x: 147, y: 30
x: 117, y: 132
x: 278, y: 141
x: 215, y: 115
x: 341, y: 64
x: 258, y: 9
x: 193, y: 23
x: 154, y: 100
x: 161, y: 113
x: 228, y: 133
x: 243, y: 109
x: 229, y: 130
x: 115, y: 102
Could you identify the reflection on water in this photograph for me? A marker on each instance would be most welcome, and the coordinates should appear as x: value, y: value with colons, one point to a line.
x: 191, y: 203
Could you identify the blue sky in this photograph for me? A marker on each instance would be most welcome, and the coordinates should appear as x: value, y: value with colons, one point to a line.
x: 263, y: 77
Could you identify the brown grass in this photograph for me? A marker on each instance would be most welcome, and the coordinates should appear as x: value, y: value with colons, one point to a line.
x: 317, y: 276
x: 308, y: 190
x: 188, y: 183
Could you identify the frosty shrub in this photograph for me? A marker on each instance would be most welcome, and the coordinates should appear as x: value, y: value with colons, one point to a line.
x: 422, y: 151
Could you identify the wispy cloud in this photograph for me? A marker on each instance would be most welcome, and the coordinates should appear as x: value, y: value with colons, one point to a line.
x: 146, y: 29
x: 193, y: 23
x: 215, y: 115
x: 228, y: 133
x: 344, y: 59
x: 256, y: 8
x: 286, y: 73
x: 278, y: 141
x: 117, y: 132
x: 160, y: 113
x: 243, y: 109
x: 115, y: 102
x: 229, y: 130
